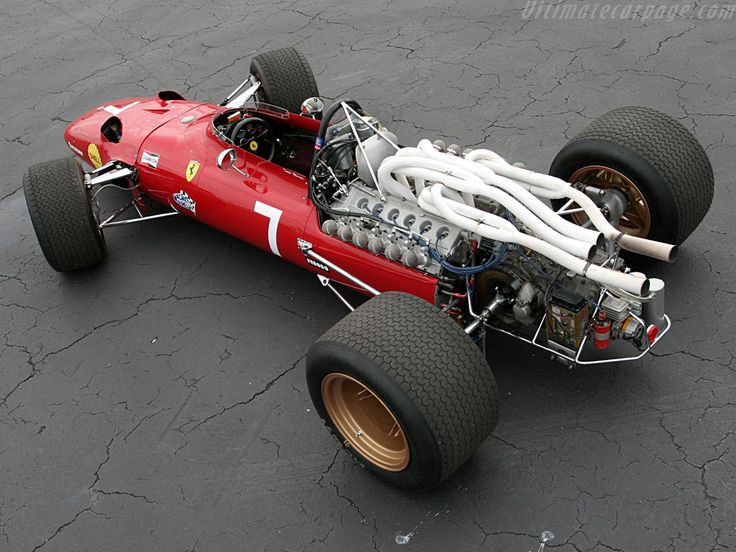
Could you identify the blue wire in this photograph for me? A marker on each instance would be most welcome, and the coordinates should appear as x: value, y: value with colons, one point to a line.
x: 533, y: 263
x: 468, y: 270
x: 462, y: 270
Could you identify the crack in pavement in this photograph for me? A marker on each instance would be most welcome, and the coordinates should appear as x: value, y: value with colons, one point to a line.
x: 223, y: 410
x: 127, y: 494
x: 101, y: 465
x: 62, y: 527
x: 119, y: 321
x: 448, y: 68
x: 143, y: 420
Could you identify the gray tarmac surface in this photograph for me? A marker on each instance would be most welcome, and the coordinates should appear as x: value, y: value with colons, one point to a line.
x: 158, y: 402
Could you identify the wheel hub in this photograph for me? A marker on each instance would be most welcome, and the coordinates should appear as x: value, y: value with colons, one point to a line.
x: 636, y: 219
x: 365, y: 421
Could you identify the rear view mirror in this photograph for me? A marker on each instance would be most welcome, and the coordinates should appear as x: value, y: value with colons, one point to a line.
x: 313, y: 107
x: 226, y: 160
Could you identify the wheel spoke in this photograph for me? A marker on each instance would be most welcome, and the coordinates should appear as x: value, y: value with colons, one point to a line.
x: 632, y: 217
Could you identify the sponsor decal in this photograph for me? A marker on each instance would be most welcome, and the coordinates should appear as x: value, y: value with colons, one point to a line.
x: 187, y: 119
x: 75, y: 149
x: 182, y: 199
x: 192, y: 169
x: 94, y: 156
x: 317, y: 264
x: 150, y: 159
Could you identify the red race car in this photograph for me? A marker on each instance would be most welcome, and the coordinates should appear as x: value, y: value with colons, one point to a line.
x: 452, y: 243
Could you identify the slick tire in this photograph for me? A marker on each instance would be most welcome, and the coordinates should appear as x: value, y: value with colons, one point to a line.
x: 403, y: 389
x: 286, y: 78
x: 61, y: 214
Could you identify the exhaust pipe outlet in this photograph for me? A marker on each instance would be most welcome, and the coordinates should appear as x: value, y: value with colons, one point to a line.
x: 592, y: 252
x: 653, y: 310
x: 601, y: 243
x: 649, y: 248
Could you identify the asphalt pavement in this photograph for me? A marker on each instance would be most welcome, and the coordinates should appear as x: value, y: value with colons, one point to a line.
x: 158, y: 401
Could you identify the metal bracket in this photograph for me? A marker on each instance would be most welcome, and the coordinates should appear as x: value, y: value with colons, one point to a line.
x: 110, y: 221
x: 109, y: 176
x: 105, y: 177
x: 611, y: 202
x: 240, y: 100
x: 347, y: 110
x: 306, y: 249
x: 499, y: 300
x: 325, y: 281
x: 576, y: 359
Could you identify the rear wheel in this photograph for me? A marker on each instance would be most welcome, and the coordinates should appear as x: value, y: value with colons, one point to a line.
x: 286, y: 78
x: 62, y: 217
x: 404, y: 390
x: 657, y: 163
x: 371, y: 426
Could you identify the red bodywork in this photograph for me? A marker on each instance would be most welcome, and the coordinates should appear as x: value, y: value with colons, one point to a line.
x: 179, y: 132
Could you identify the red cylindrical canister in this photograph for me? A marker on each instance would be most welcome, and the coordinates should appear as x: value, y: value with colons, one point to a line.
x: 602, y: 331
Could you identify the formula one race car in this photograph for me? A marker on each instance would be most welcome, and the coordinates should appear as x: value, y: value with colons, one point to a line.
x: 452, y: 242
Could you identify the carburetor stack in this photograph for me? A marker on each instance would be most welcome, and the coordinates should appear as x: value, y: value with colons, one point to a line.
x: 392, y: 238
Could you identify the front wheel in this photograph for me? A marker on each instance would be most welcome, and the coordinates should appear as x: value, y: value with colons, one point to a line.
x: 653, y: 160
x: 64, y: 221
x: 403, y: 389
x: 286, y: 78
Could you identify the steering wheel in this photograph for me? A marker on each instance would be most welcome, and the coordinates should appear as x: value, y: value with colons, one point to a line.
x: 255, y: 135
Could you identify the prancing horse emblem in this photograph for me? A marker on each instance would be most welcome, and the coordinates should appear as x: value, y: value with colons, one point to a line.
x: 192, y: 169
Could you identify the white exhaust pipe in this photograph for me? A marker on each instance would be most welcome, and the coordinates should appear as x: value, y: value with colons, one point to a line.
x: 480, y: 222
x: 551, y: 187
x: 469, y: 185
x: 446, y: 186
x: 534, y: 204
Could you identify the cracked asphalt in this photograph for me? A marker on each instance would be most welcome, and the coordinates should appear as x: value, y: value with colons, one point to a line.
x: 158, y: 402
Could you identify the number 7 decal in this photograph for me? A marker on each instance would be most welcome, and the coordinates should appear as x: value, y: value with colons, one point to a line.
x: 273, y: 214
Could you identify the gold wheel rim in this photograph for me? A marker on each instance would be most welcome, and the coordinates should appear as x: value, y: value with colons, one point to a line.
x: 637, y: 219
x: 365, y: 421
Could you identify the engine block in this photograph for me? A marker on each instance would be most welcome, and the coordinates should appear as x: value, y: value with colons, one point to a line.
x: 392, y: 237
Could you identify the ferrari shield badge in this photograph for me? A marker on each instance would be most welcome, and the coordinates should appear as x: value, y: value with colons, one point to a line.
x: 94, y: 155
x: 192, y: 169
